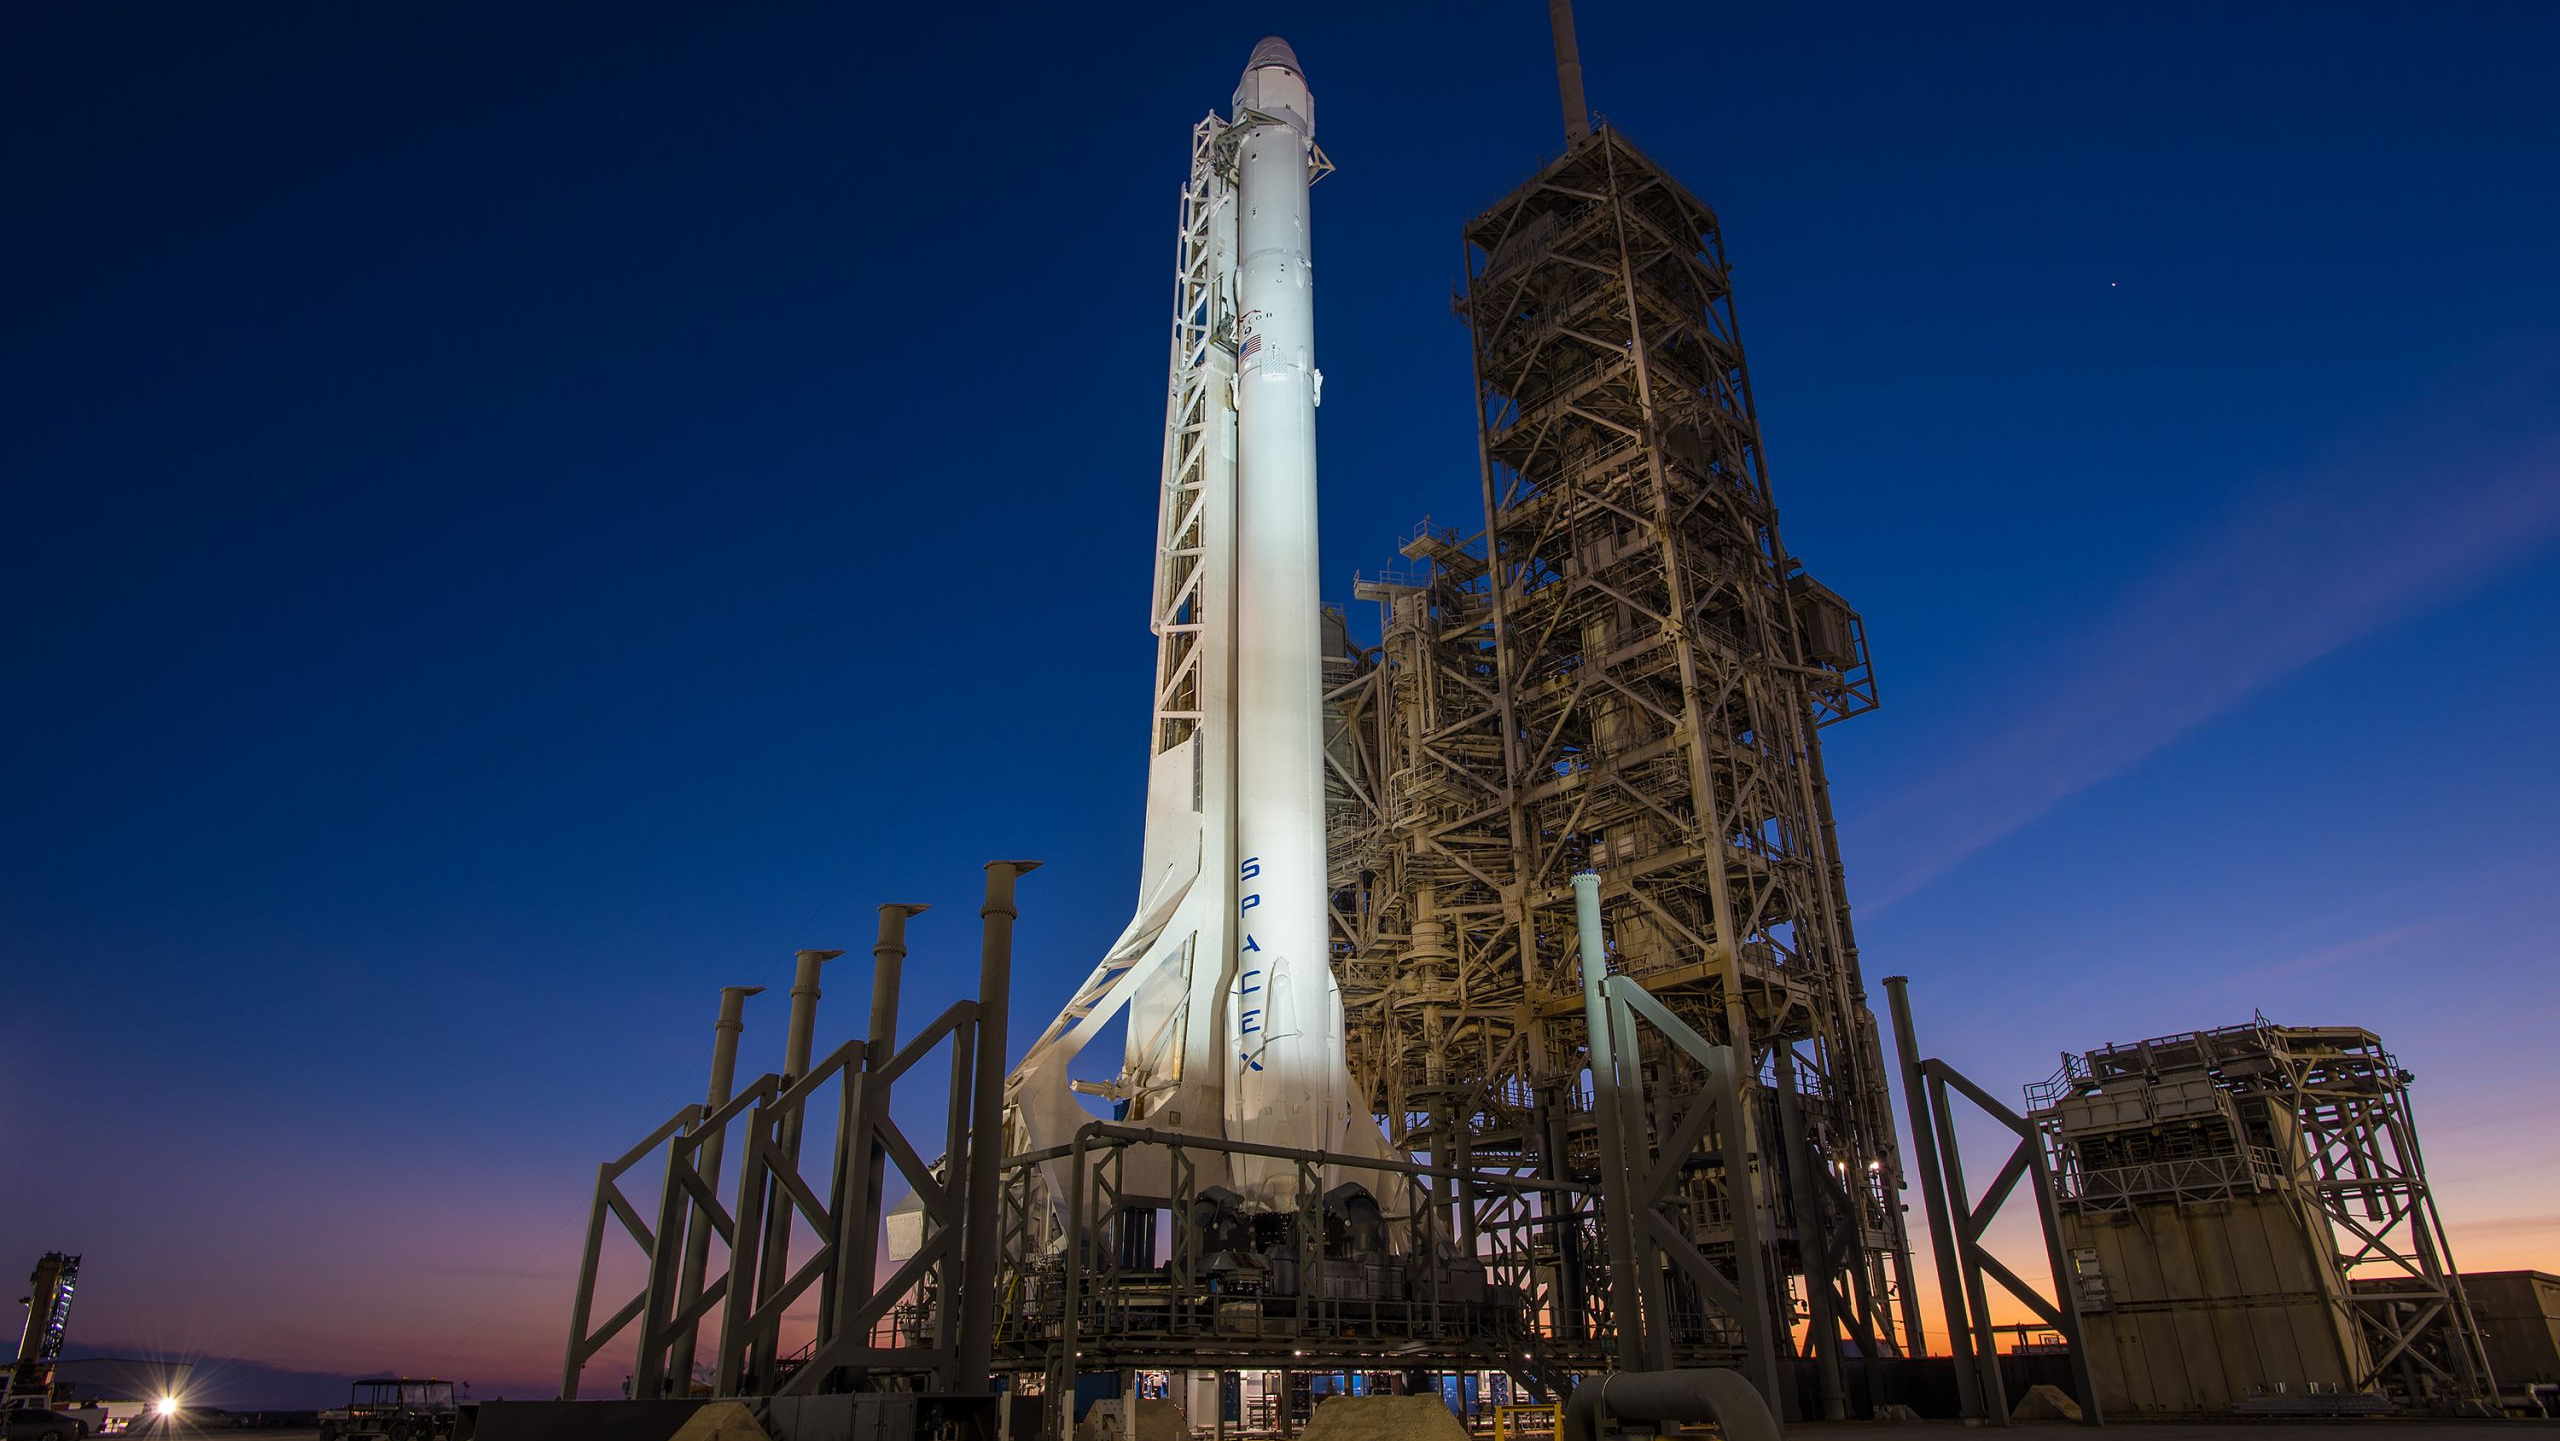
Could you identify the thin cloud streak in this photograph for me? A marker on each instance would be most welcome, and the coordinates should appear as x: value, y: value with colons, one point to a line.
x: 2280, y: 584
x: 2545, y: 1222
x: 2330, y: 957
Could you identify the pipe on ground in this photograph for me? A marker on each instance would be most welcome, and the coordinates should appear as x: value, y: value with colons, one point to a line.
x: 1723, y: 1397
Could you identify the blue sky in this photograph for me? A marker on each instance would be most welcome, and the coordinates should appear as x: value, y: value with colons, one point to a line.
x: 525, y: 517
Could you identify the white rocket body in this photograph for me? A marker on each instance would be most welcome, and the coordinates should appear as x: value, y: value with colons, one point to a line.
x: 1225, y: 974
x: 1288, y: 1083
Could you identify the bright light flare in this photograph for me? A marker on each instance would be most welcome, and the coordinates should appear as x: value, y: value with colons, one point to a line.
x: 168, y: 1406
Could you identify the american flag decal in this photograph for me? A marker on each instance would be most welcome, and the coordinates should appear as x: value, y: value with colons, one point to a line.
x: 1252, y: 346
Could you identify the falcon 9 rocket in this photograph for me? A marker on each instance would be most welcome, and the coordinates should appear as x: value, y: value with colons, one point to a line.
x: 1288, y: 1084
x: 1233, y: 1018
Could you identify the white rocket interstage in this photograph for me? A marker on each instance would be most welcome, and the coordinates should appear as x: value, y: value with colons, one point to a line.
x: 1225, y: 975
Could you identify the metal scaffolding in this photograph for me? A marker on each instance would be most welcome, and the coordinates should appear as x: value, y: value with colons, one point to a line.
x: 1625, y: 671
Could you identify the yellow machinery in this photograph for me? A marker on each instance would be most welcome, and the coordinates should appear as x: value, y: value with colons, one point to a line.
x: 1528, y: 1421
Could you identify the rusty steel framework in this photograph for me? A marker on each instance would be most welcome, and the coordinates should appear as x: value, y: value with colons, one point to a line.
x: 1625, y: 671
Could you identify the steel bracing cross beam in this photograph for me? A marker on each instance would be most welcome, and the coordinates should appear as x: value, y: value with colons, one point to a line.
x: 586, y: 1338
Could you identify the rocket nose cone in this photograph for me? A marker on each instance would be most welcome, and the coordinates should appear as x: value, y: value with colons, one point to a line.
x: 1275, y: 51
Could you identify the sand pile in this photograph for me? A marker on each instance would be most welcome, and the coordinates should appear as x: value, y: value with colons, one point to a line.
x: 1383, y: 1418
x: 2045, y: 1403
x: 721, y: 1421
x: 1158, y: 1420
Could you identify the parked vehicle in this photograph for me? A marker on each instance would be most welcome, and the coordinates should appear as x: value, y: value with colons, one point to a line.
x: 35, y: 1423
x: 396, y: 1408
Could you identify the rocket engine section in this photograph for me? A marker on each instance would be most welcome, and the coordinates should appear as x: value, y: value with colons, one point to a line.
x: 1234, y: 1022
x: 1253, y: 1253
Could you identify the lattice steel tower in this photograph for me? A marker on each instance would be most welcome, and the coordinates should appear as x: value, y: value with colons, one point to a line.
x: 1624, y: 671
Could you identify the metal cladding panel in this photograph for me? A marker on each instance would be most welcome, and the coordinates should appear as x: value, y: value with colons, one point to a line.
x: 2182, y: 1098
x: 2207, y: 1304
x: 2520, y: 1313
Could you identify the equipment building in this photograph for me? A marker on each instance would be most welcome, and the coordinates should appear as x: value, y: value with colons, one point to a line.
x: 2249, y: 1225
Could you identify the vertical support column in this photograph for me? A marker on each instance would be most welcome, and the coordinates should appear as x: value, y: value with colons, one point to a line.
x: 1813, y: 1245
x: 1752, y: 1253
x: 1986, y: 1342
x: 979, y: 1242
x: 1464, y: 1188
x: 774, y: 1262
x: 582, y: 1307
x: 1974, y: 1325
x: 697, y: 1236
x: 1933, y: 1198
x: 1637, y: 1127
x: 801, y: 1038
x: 1906, y: 1284
x: 866, y: 1165
x: 1557, y: 1210
x: 2066, y: 1299
x: 754, y: 1171
x: 1062, y: 1376
x: 1616, y: 1184
x: 888, y: 960
x: 666, y: 1265
x: 949, y: 1278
